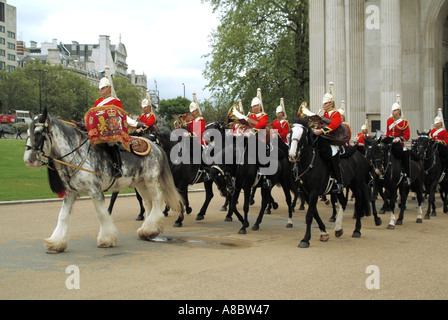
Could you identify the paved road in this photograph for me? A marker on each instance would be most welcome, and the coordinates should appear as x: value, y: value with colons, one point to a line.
x: 209, y: 260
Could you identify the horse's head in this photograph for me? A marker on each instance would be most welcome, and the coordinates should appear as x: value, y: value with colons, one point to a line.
x: 375, y: 154
x: 38, y: 143
x: 422, y: 144
x: 299, y: 133
x: 223, y: 179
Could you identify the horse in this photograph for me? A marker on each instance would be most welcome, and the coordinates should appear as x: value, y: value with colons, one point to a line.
x: 76, y: 167
x: 242, y: 172
x: 435, y: 171
x: 314, y: 174
x: 389, y: 170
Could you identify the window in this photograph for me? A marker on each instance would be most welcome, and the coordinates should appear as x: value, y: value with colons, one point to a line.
x: 2, y: 29
x: 2, y: 65
x: 11, y: 57
x: 2, y: 41
x: 2, y: 12
x: 2, y: 52
x: 11, y: 46
x: 11, y: 35
x: 10, y: 69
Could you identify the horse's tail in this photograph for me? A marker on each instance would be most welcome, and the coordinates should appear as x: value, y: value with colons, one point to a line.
x: 172, y: 197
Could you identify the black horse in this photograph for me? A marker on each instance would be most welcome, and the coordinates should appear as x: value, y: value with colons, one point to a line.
x: 187, y: 168
x: 241, y: 170
x: 314, y: 174
x: 435, y: 171
x: 389, y: 169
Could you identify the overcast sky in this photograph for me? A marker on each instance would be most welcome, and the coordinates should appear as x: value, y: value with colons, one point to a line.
x: 165, y: 39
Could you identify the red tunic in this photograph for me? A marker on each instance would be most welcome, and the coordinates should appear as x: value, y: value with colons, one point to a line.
x: 398, y: 129
x: 335, y: 118
x: 262, y: 119
x: 197, y: 127
x: 282, y: 126
x: 149, y: 119
x: 108, y: 101
x: 362, y: 138
x: 439, y: 135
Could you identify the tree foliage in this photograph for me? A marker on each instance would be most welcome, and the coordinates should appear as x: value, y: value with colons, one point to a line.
x: 64, y: 93
x: 260, y: 44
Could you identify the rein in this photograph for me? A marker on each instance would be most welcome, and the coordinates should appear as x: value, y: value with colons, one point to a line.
x: 47, y: 135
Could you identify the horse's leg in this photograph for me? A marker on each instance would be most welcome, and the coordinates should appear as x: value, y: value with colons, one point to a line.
x: 141, y: 215
x: 431, y: 199
x: 392, y: 201
x: 153, y: 224
x: 265, y: 199
x: 247, y: 193
x: 208, y: 185
x: 184, y: 193
x: 252, y: 196
x: 107, y: 237
x: 59, y: 239
x: 288, y: 198
x: 310, y: 214
x: 333, y: 198
x: 224, y: 206
x: 338, y: 230
x: 113, y: 198
x: 404, y: 193
x: 373, y: 196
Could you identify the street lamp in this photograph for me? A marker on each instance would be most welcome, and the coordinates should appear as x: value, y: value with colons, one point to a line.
x: 40, y: 87
x: 184, y: 89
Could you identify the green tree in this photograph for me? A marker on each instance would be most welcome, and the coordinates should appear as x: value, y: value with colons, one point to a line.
x: 170, y: 107
x: 260, y: 44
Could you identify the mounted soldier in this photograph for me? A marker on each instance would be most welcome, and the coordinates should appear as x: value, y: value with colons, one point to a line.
x: 147, y: 122
x: 398, y: 129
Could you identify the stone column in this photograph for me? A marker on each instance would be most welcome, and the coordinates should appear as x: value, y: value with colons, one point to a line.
x: 335, y: 51
x: 356, y: 81
x: 317, y: 53
x: 391, y: 59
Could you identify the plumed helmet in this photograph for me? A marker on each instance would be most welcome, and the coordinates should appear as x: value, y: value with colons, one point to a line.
x: 329, y: 96
x: 281, y: 107
x: 255, y: 102
x: 146, y: 103
x: 195, y: 104
x: 397, y: 104
x: 104, y: 82
x: 342, y: 109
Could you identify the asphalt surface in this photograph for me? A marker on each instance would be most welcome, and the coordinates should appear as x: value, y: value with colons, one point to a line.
x: 208, y: 260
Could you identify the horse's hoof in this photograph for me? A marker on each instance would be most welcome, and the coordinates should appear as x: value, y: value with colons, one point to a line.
x: 54, y: 251
x: 255, y: 227
x: 338, y: 233
x: 304, y: 244
x: 267, y: 211
x: 324, y: 237
x: 223, y: 208
x: 332, y: 219
x: 228, y: 219
x: 177, y: 225
x: 356, y: 234
x: 427, y: 216
x: 301, y: 208
x: 104, y: 246
x: 378, y: 222
x: 382, y: 211
x: 199, y: 217
x: 434, y: 214
x: 275, y: 205
x: 399, y: 223
x: 252, y: 202
x: 391, y: 227
x: 188, y: 210
x: 419, y: 220
x: 140, y: 218
x: 242, y: 231
x: 289, y: 225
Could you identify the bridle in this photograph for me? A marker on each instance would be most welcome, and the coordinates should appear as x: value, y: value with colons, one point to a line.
x: 44, y: 159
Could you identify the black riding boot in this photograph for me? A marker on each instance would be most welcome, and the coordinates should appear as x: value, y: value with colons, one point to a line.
x: 407, y: 167
x: 116, y: 160
x: 337, y: 174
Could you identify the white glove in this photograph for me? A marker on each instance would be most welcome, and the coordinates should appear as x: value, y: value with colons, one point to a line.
x: 239, y: 115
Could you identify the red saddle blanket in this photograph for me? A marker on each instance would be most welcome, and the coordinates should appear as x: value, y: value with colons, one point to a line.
x: 107, y: 124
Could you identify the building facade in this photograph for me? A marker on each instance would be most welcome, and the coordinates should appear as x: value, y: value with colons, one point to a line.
x: 8, y: 31
x: 88, y: 60
x: 375, y: 49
